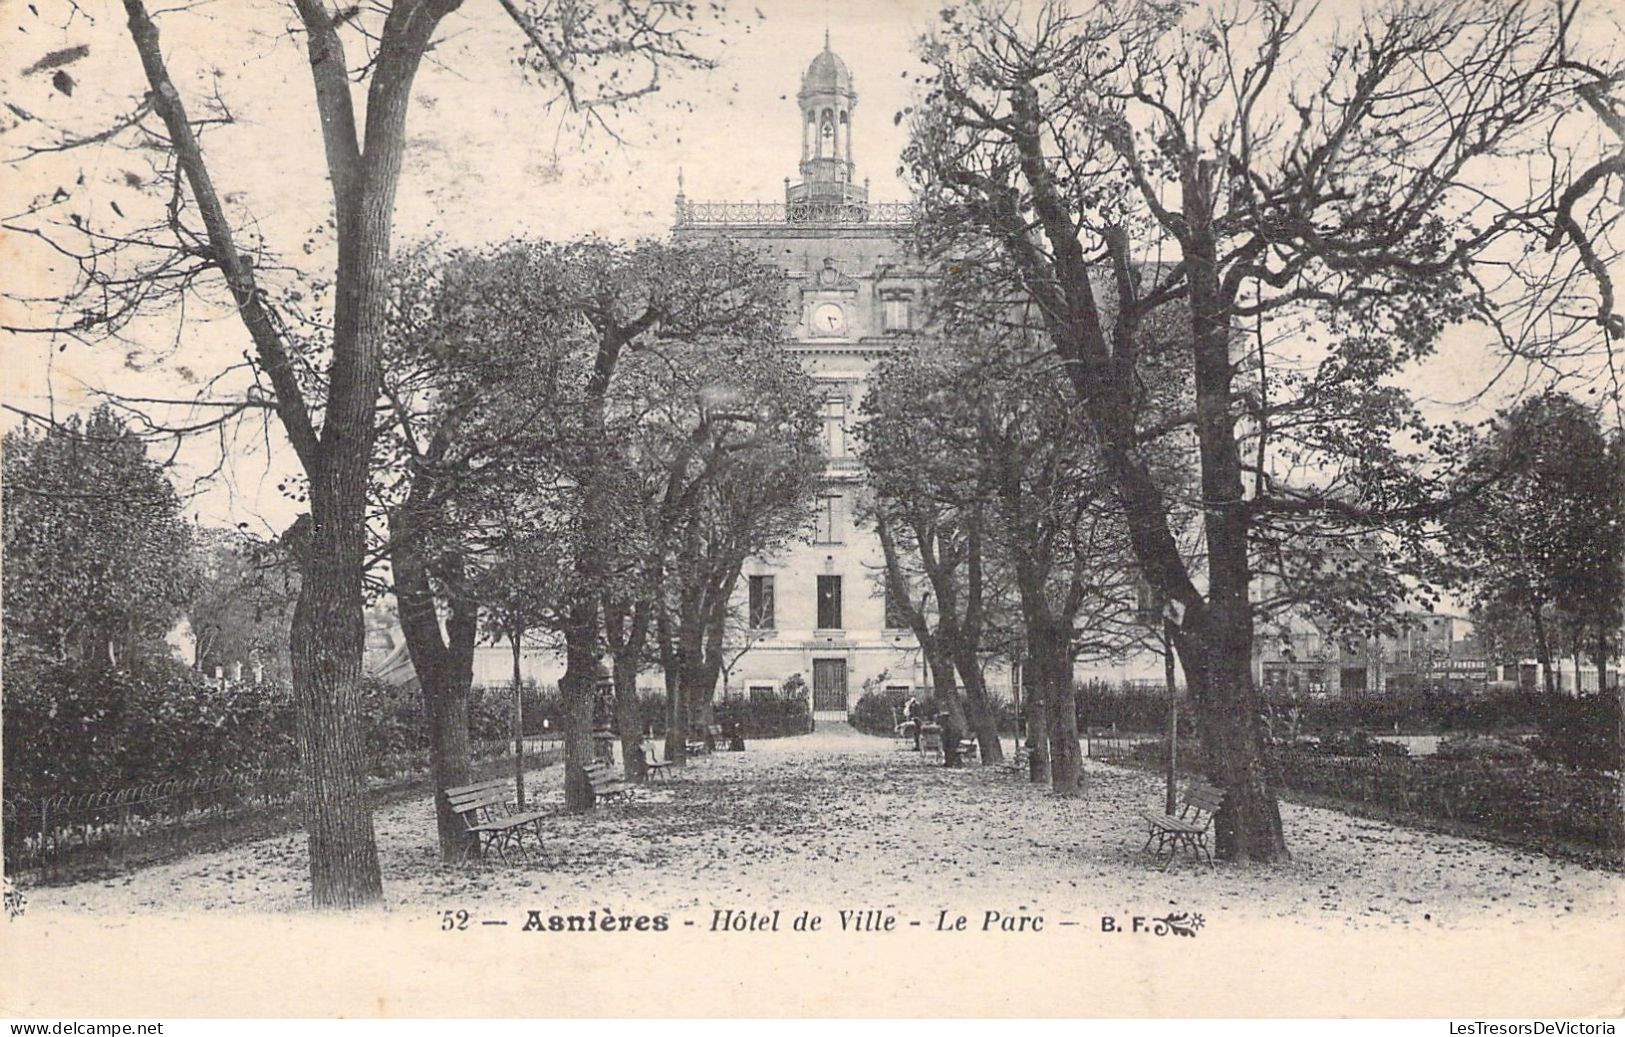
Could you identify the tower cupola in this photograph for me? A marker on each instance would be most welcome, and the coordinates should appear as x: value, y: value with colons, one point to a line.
x: 827, y: 99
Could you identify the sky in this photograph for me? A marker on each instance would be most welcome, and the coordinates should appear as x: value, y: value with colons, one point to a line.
x: 486, y: 160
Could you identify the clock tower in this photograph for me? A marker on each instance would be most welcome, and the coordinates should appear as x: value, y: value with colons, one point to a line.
x: 855, y: 293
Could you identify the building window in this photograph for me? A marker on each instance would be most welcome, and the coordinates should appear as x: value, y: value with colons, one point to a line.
x: 835, y: 427
x: 756, y: 692
x: 761, y: 603
x: 831, y: 520
x: 897, y: 316
x: 895, y: 618
x: 829, y: 603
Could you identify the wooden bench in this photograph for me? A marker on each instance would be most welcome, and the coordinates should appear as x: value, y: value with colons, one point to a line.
x: 607, y: 784
x: 931, y: 739
x: 1187, y: 826
x: 492, y: 820
x: 656, y: 768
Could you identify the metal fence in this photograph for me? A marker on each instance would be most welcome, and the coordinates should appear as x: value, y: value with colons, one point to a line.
x: 50, y: 830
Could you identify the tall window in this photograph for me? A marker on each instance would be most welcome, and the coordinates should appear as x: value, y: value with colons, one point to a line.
x: 897, y: 316
x: 829, y: 603
x: 831, y: 520
x: 895, y: 619
x: 835, y: 427
x: 761, y: 602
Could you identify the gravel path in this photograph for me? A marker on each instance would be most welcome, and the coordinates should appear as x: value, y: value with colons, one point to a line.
x: 832, y: 817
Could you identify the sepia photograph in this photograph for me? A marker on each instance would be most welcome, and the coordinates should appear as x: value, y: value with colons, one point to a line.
x: 576, y: 509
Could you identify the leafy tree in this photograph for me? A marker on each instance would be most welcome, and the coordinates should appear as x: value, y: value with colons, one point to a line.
x: 1543, y: 544
x: 932, y: 516
x: 98, y: 559
x: 1334, y: 186
x: 756, y: 467
x: 242, y: 608
x: 467, y: 444
x: 981, y: 465
x: 181, y: 234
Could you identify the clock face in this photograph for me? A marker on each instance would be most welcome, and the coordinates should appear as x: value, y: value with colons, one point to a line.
x: 828, y: 319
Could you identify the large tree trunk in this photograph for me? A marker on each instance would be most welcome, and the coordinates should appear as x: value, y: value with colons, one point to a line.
x: 628, y: 715
x: 577, y: 689
x: 445, y: 674
x: 950, y: 711
x: 979, y: 708
x: 1051, y: 662
x: 325, y: 646
x: 328, y: 634
x: 1230, y: 725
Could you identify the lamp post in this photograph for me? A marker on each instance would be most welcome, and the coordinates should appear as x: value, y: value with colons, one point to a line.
x: 515, y: 637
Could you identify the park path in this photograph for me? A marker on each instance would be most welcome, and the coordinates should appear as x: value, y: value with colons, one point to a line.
x: 837, y: 819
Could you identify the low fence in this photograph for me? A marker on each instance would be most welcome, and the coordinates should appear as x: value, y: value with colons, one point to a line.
x: 53, y: 830
x: 1540, y: 805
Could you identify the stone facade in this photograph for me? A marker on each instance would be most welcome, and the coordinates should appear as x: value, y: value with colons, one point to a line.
x: 855, y: 293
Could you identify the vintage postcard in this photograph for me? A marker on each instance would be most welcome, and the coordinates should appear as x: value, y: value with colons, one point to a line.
x: 646, y: 508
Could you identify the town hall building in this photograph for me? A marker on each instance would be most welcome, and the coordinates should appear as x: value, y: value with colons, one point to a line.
x: 817, y: 608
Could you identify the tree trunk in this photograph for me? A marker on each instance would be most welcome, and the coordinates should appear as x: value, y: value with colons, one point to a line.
x: 325, y: 647
x: 445, y: 669
x: 626, y: 629
x: 1543, y: 648
x: 1248, y: 826
x: 1051, y: 660
x: 671, y: 669
x: 516, y: 638
x: 950, y: 711
x: 328, y: 634
x: 979, y: 708
x: 1037, y: 714
x: 1228, y: 714
x: 628, y: 715
x: 577, y: 689
x: 1601, y: 659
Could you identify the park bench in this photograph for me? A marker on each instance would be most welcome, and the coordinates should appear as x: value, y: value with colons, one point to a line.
x: 1187, y: 826
x: 492, y: 820
x: 969, y: 748
x: 607, y: 784
x: 931, y: 739
x: 656, y: 768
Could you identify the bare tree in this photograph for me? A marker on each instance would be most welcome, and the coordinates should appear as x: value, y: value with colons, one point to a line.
x: 1362, y: 177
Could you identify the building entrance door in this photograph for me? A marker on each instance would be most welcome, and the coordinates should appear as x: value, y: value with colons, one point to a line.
x: 829, y: 689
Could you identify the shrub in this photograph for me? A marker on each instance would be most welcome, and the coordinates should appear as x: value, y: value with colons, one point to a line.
x: 773, y: 715
x: 1481, y: 747
x: 1582, y: 732
x: 72, y: 728
x: 1357, y: 743
x: 875, y: 712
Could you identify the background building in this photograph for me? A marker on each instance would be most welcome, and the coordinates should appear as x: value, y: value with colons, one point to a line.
x: 816, y: 609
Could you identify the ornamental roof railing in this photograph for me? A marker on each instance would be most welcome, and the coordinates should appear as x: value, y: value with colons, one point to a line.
x: 891, y: 214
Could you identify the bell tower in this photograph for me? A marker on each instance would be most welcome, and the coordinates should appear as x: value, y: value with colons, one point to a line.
x: 826, y: 100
